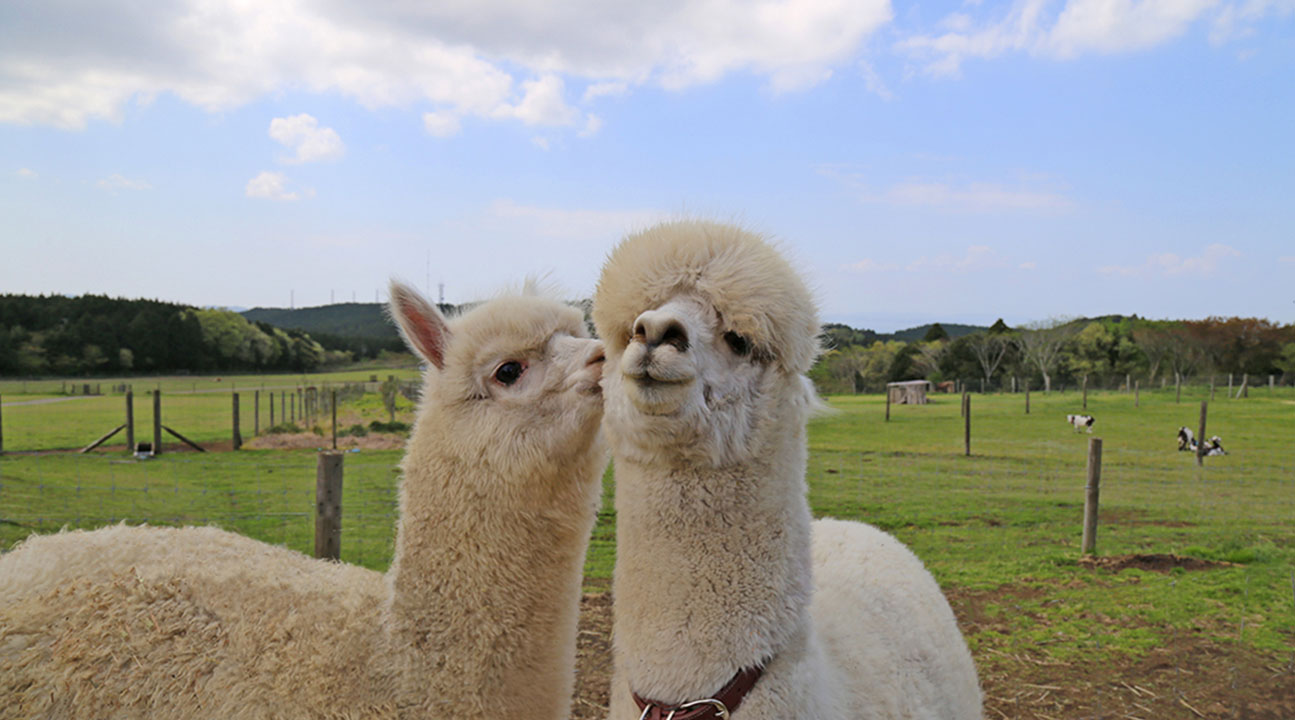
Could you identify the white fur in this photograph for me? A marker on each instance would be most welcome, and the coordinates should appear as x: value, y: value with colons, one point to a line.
x: 719, y: 566
x: 475, y: 619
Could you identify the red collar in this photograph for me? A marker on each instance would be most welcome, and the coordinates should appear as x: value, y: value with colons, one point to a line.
x: 717, y: 707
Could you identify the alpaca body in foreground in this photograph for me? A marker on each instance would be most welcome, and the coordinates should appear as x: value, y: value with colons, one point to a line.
x: 719, y: 567
x: 476, y: 617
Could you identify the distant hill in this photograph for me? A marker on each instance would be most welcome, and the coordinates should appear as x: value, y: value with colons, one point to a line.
x: 917, y: 333
x: 355, y: 320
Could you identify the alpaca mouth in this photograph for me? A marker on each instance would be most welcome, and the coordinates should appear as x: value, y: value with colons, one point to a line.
x: 648, y: 381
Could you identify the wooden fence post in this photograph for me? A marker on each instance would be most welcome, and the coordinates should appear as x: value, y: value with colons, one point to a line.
x: 1137, y: 393
x: 1128, y: 382
x: 1178, y: 387
x: 1085, y: 391
x: 328, y: 505
x: 966, y: 414
x: 1089, y: 544
x: 1211, y: 387
x: 1270, y: 384
x: 334, y: 406
x: 157, y: 421
x: 1229, y: 386
x: 130, y: 421
x: 256, y: 413
x: 283, y: 407
x: 1200, y: 439
x: 238, y: 437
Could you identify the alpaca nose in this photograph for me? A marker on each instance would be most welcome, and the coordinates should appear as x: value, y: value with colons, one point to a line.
x: 657, y: 327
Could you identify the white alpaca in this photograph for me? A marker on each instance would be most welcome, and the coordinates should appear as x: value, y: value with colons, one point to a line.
x: 475, y: 619
x: 719, y: 569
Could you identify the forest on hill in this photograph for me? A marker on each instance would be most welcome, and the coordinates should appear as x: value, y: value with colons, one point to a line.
x: 98, y: 335
x: 1107, y: 350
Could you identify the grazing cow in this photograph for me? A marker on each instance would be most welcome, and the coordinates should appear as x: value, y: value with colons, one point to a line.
x: 1081, y: 422
x: 1186, y: 439
x: 944, y: 387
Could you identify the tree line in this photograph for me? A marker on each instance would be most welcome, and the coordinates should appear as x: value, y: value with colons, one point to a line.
x: 1105, y: 350
x: 98, y: 335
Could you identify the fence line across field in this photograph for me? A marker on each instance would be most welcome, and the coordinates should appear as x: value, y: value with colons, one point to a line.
x: 194, y: 419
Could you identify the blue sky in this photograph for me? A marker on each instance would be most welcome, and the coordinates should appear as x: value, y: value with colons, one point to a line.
x: 955, y: 161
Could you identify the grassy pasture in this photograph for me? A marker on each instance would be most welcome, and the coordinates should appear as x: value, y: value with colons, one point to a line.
x: 222, y: 383
x: 1000, y: 530
x: 39, y: 421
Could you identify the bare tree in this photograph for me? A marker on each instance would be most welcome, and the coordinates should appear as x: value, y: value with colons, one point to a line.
x: 989, y: 348
x: 927, y: 359
x: 1155, y: 344
x: 1041, y: 343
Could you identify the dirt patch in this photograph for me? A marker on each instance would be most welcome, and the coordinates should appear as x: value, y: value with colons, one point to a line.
x: 1156, y: 562
x: 1138, y: 518
x: 298, y: 441
x: 593, y: 657
x: 1190, y: 676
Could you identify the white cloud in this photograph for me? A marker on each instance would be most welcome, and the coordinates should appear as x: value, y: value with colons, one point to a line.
x: 542, y: 103
x: 118, y: 182
x: 302, y: 134
x: 598, y: 90
x: 1171, y: 264
x: 25, y: 172
x: 442, y: 124
x: 874, y: 83
x: 972, y: 197
x: 464, y: 58
x: 561, y: 223
x: 269, y: 185
x: 540, y: 142
x: 593, y: 124
x: 1080, y: 27
x: 1286, y: 259
x: 868, y: 265
x: 977, y: 257
x: 1237, y: 20
x: 974, y: 259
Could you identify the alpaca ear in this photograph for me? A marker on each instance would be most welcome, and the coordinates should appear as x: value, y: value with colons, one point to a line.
x: 421, y: 324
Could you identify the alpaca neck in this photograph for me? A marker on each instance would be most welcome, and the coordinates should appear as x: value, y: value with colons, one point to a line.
x: 712, y: 571
x: 484, y: 590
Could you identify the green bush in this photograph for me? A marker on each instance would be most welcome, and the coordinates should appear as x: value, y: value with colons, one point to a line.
x: 389, y: 427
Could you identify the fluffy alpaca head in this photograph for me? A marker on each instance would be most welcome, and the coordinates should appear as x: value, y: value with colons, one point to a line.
x: 512, y: 386
x: 709, y: 331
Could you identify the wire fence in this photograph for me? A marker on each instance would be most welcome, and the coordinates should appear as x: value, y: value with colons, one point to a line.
x: 37, y: 422
x: 269, y: 500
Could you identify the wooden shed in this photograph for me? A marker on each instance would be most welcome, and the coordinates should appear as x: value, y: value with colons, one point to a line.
x: 909, y: 392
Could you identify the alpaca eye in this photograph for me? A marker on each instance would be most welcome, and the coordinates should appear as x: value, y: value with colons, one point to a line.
x: 738, y: 344
x: 509, y: 372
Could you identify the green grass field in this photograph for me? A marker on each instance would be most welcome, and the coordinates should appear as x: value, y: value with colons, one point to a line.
x: 999, y: 529
x: 200, y: 408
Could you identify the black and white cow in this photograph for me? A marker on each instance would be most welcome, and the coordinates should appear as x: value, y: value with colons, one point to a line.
x: 1215, y: 447
x: 1081, y: 422
x: 1186, y: 439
